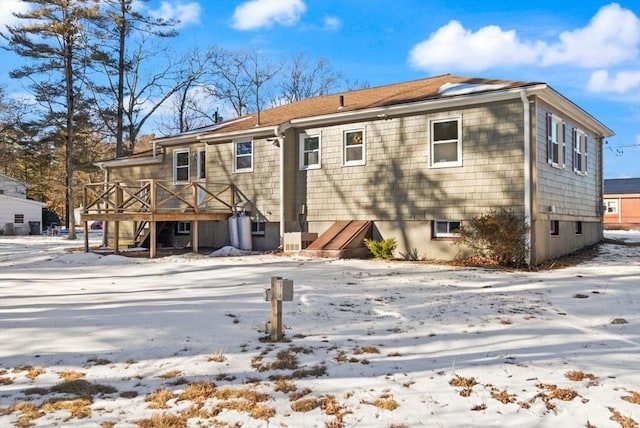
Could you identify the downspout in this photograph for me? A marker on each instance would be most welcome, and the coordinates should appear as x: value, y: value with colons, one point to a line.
x: 527, y: 173
x: 280, y: 136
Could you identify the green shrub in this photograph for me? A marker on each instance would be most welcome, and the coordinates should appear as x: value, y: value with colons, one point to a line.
x: 498, y: 236
x: 382, y: 249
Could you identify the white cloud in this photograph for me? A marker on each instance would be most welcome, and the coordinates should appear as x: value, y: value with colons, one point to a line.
x: 611, y: 37
x: 185, y: 13
x: 452, y: 46
x: 332, y: 23
x: 7, y: 10
x: 622, y: 82
x: 256, y: 14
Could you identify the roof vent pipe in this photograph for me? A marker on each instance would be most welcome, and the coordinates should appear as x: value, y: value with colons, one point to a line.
x: 341, y: 101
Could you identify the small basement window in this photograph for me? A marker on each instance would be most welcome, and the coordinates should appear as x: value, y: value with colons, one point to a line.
x: 555, y: 228
x: 578, y: 228
x: 446, y: 229
x: 258, y: 228
x: 183, y: 228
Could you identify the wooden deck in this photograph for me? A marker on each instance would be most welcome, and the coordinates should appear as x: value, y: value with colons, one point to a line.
x: 153, y: 201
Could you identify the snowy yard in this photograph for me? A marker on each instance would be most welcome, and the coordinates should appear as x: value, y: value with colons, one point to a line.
x: 112, y: 341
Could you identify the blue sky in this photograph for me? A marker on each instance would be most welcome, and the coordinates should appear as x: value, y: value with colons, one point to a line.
x: 587, y: 50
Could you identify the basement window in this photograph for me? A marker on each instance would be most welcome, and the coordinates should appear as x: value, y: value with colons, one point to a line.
x: 183, y: 228
x: 258, y: 228
x: 446, y: 229
x: 578, y: 228
x: 555, y: 228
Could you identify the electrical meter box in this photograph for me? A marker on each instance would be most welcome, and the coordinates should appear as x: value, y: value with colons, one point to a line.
x: 284, y: 290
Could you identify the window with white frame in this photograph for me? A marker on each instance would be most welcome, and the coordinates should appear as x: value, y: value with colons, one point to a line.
x: 309, y: 151
x: 611, y: 206
x: 446, y: 142
x: 202, y: 163
x: 183, y: 227
x: 556, y: 141
x: 181, y: 171
x: 446, y: 228
x: 579, y: 151
x: 258, y: 228
x: 243, y: 156
x: 354, y: 147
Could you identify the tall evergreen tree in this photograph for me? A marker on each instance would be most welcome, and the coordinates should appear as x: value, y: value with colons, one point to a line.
x: 52, y: 37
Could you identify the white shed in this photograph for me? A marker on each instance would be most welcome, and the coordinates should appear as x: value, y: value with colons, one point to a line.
x: 19, y: 216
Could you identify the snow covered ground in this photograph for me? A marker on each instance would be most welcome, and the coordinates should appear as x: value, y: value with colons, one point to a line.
x: 111, y: 341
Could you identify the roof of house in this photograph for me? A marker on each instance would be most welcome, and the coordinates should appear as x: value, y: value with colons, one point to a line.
x: 381, y: 96
x: 413, y: 96
x: 621, y: 185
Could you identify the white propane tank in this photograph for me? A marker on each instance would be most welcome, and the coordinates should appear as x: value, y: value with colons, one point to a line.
x: 244, y: 232
x: 233, y: 231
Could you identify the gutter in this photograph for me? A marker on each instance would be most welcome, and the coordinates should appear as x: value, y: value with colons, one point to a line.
x: 527, y: 172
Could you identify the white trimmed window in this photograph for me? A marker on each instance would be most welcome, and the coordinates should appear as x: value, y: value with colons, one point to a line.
x: 611, y: 206
x: 579, y: 151
x: 556, y: 141
x: 258, y: 228
x: 354, y: 147
x: 183, y: 228
x: 446, y: 229
x: 309, y: 151
x: 243, y: 156
x: 202, y: 163
x: 446, y: 143
x: 181, y: 170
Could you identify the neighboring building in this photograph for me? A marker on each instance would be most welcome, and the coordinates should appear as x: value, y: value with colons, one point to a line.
x: 416, y: 159
x: 622, y: 203
x: 18, y: 215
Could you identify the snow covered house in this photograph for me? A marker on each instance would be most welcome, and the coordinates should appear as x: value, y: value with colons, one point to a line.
x: 18, y: 215
x: 410, y: 161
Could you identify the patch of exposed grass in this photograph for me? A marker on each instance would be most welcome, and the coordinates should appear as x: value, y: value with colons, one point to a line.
x: 170, y: 374
x: 98, y: 362
x: 284, y: 385
x: 298, y: 394
x: 82, y: 388
x: 217, y: 358
x: 386, y: 404
x: 624, y: 421
x: 634, y: 398
x: 366, y: 350
x: 466, y: 384
x: 503, y: 396
x: 5, y: 380
x: 69, y: 375
x: 198, y: 392
x: 32, y: 372
x: 305, y: 404
x: 578, y: 376
x: 159, y: 398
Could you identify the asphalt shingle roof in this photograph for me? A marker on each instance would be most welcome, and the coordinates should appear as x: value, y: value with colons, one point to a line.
x: 621, y: 185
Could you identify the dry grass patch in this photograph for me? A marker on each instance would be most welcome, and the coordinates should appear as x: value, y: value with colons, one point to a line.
x: 32, y: 372
x: 170, y: 374
x: 218, y: 358
x: 159, y: 398
x: 305, y: 404
x: 624, y: 421
x: 578, y: 376
x: 79, y: 408
x: 69, y: 375
x: 634, y: 398
x: 247, y: 394
x: 284, y: 385
x: 296, y: 395
x: 503, y: 396
x: 315, y: 371
x: 386, y: 404
x: 366, y: 350
x: 466, y: 384
x: 5, y: 380
x: 198, y: 392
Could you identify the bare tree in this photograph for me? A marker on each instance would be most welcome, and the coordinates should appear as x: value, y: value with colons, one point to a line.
x: 303, y: 79
x: 118, y: 46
